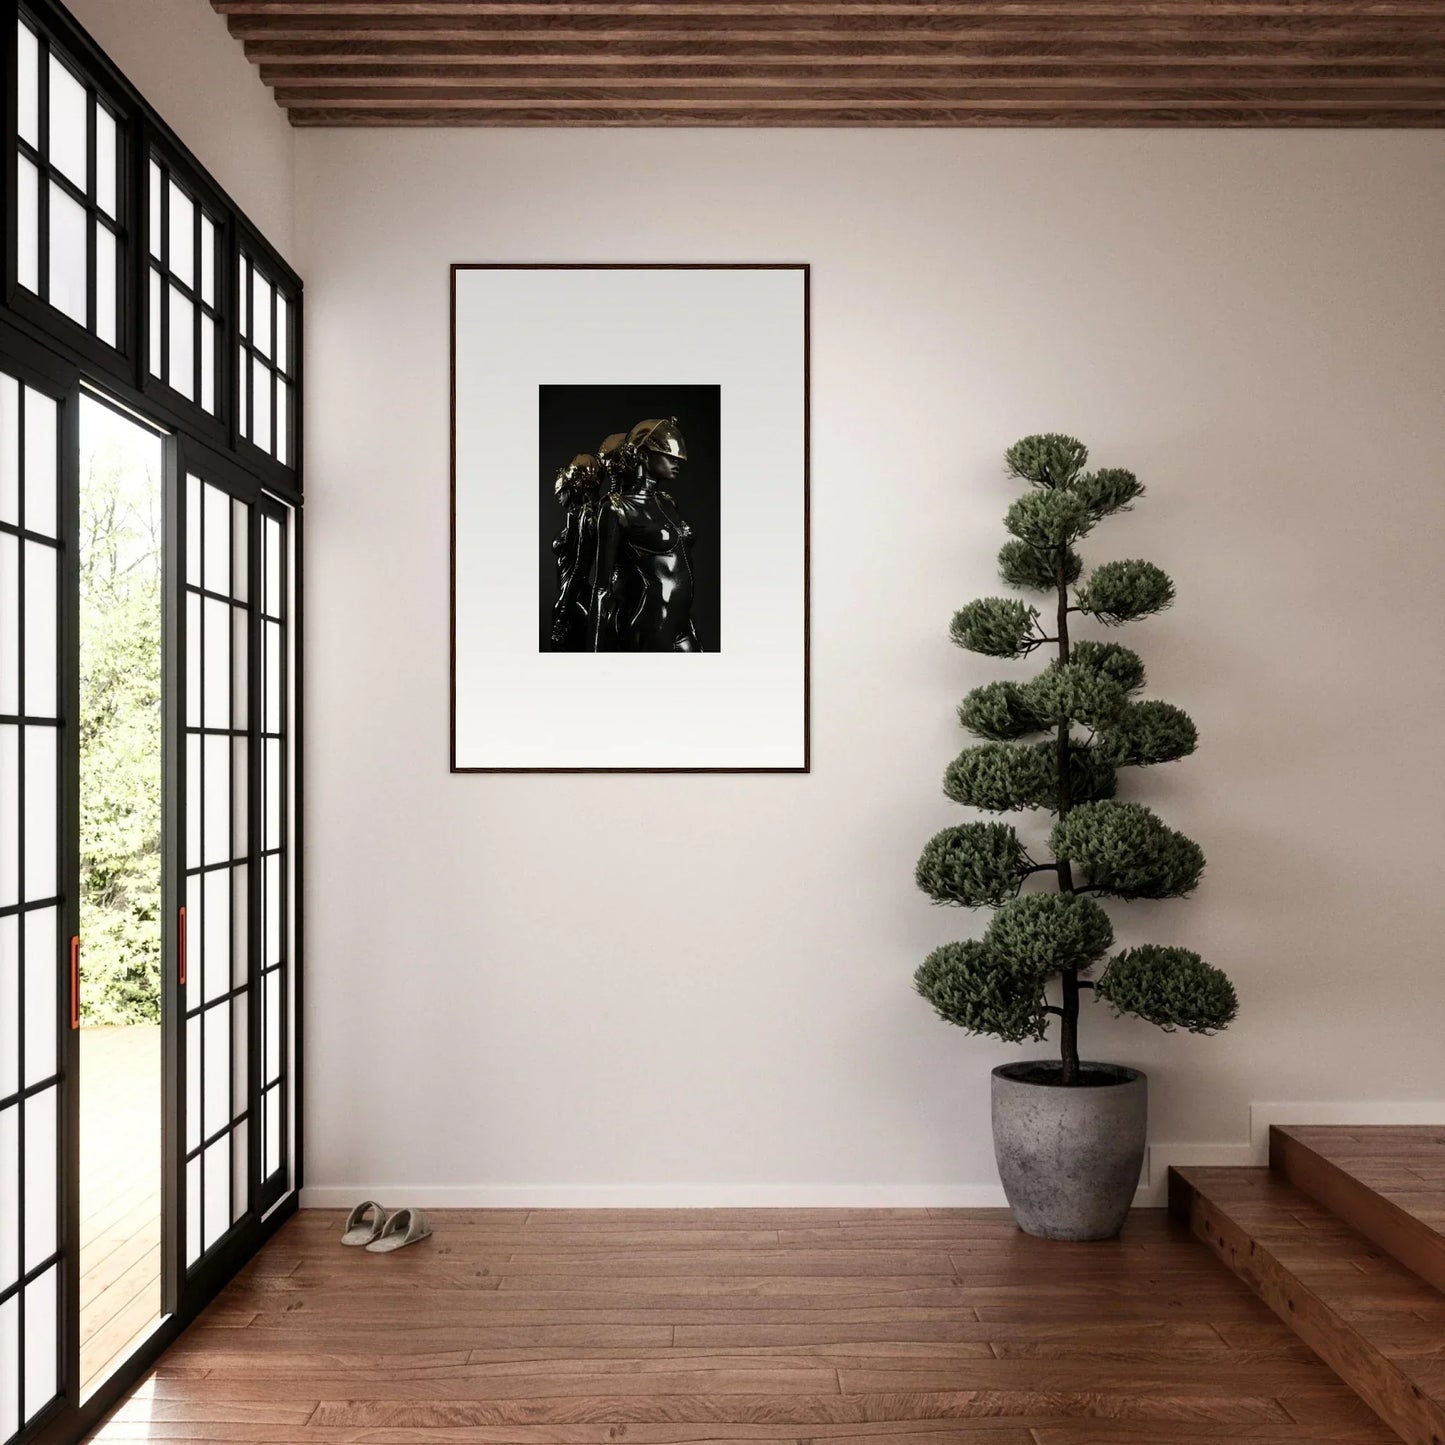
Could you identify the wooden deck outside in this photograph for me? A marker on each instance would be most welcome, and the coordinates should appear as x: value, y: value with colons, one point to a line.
x: 120, y: 1194
x: 696, y: 1327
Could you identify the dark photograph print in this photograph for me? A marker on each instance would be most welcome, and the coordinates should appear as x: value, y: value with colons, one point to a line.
x: 629, y: 490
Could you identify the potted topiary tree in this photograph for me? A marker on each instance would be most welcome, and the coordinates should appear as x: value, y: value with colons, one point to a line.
x: 1068, y: 1135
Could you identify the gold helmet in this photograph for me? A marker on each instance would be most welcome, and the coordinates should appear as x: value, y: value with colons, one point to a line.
x: 578, y: 476
x: 659, y: 435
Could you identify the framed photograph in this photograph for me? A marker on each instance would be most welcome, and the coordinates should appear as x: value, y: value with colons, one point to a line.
x: 629, y: 530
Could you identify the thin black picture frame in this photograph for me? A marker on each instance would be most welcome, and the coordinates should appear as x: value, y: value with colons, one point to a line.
x: 801, y: 266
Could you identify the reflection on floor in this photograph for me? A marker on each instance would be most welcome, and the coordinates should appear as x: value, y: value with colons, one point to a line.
x: 120, y: 1194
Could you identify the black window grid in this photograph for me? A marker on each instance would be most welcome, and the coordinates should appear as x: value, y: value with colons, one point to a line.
x: 48, y: 174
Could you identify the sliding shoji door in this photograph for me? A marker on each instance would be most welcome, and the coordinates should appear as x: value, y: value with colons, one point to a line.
x: 38, y: 998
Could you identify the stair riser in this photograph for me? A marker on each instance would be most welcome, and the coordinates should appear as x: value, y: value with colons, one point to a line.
x: 1412, y: 1243
x: 1388, y: 1392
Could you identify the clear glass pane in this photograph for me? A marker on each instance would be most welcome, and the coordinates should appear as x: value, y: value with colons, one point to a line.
x: 239, y: 667
x: 273, y: 1132
x: 40, y: 1179
x: 40, y: 624
x: 9, y: 1201
x: 240, y: 925
x: 9, y: 814
x: 105, y: 303
x: 260, y: 404
x: 9, y: 1022
x: 193, y: 1082
x: 208, y: 260
x: 241, y: 533
x: 218, y: 663
x: 193, y: 530
x: 27, y: 223
x: 218, y: 1070
x: 155, y: 190
x: 40, y: 777
x: 218, y: 540
x: 67, y: 256
x: 218, y: 1190
x: 195, y: 917
x: 193, y: 660
x: 241, y: 803
x: 27, y: 95
x: 182, y: 329
x: 217, y: 800
x: 41, y: 461
x: 193, y: 1210
x: 261, y: 315
x: 41, y: 1301
x: 9, y: 625
x: 9, y: 454
x: 283, y: 423
x: 182, y: 258
x: 272, y: 953
x: 194, y: 787
x: 42, y: 978
x: 157, y: 329
x: 107, y: 149
x: 208, y: 364
x: 68, y: 106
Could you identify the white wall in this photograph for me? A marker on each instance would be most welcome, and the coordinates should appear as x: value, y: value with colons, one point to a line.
x: 181, y: 57
x: 567, y: 983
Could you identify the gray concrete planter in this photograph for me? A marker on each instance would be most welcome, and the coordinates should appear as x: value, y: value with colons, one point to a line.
x: 1069, y: 1158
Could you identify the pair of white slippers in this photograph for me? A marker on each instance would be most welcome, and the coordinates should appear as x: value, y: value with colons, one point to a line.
x: 382, y: 1233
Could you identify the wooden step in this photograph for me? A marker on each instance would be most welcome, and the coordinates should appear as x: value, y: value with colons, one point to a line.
x: 1388, y: 1182
x: 1377, y: 1325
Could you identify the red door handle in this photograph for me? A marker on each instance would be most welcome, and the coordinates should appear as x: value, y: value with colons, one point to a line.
x: 75, y: 983
x: 181, y: 947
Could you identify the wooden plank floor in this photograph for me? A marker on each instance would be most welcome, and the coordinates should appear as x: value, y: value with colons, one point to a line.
x: 120, y: 1194
x: 659, y: 1327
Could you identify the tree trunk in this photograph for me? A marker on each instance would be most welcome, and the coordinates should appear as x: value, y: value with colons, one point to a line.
x: 1069, y: 1021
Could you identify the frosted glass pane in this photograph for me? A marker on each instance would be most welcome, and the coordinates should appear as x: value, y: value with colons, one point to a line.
x: 68, y: 106
x: 239, y: 808
x: 9, y: 449
x: 9, y: 814
x: 27, y: 221
x: 182, y: 259
x: 155, y: 188
x: 208, y: 260
x: 218, y: 932
x: 195, y: 916
x: 105, y: 317
x: 182, y: 336
x: 67, y: 255
x: 283, y: 333
x: 240, y: 1170
x: 271, y: 1017
x: 273, y: 793
x: 272, y: 953
x: 9, y: 1016
x: 208, y: 364
x: 41, y: 1000
x: 193, y: 660
x: 239, y: 666
x: 243, y: 393
x: 240, y: 533
x: 41, y: 460
x: 9, y: 1200
x: 244, y: 316
x: 106, y: 150
x: 218, y: 799
x: 193, y: 800
x: 273, y: 677
x: 40, y: 813
x: 273, y: 568
x: 260, y: 404
x: 193, y: 530
x: 217, y: 652
x: 273, y: 1132
x: 193, y: 1082
x: 40, y: 1177
x: 157, y: 331
x: 283, y: 423
x: 10, y: 1374
x: 40, y: 1302
x: 218, y: 1070
x: 261, y: 316
x: 193, y: 1211
x: 239, y: 1047
x: 240, y: 924
x: 9, y: 624
x: 40, y: 624
x: 27, y: 96
x: 218, y: 540
x: 218, y: 1190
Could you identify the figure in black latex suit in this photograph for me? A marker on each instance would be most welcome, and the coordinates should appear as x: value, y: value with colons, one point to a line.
x: 641, y: 595
x: 575, y: 547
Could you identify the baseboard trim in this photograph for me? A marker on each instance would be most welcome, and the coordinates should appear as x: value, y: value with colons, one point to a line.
x: 1151, y: 1195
